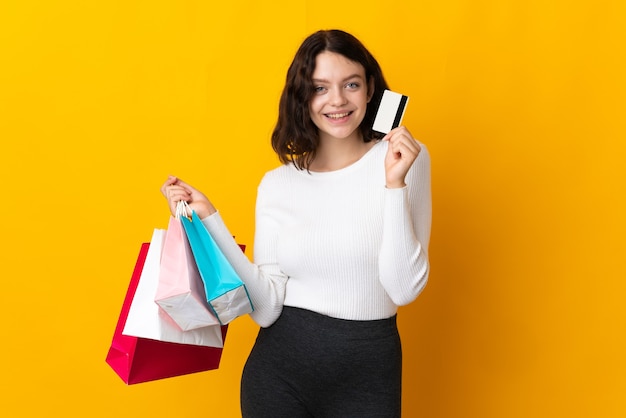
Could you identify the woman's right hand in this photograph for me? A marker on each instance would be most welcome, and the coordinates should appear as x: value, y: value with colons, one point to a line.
x: 175, y: 190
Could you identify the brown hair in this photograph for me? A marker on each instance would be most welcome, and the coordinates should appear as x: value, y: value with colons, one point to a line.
x: 295, y: 138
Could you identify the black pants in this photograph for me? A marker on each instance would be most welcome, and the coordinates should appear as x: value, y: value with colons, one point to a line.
x: 311, y: 365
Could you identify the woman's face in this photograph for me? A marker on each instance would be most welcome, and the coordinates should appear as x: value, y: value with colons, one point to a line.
x: 341, y: 95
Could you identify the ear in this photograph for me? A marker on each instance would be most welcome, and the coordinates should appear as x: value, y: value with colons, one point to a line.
x: 370, y: 89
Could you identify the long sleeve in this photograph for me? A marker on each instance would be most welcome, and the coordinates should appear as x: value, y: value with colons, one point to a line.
x: 264, y: 281
x: 407, y: 213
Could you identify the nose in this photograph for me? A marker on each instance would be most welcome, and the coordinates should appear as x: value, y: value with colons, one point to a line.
x: 337, y: 97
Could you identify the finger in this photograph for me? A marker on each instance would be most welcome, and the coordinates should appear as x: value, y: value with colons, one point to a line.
x: 399, y: 138
x: 170, y: 180
x: 181, y: 183
x: 397, y: 135
x: 167, y: 190
x: 404, y: 147
x: 398, y: 130
x: 402, y: 135
x: 390, y: 135
x: 175, y: 194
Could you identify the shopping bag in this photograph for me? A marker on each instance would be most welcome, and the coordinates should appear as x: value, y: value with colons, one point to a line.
x: 180, y: 291
x: 225, y: 291
x: 137, y: 360
x: 145, y: 318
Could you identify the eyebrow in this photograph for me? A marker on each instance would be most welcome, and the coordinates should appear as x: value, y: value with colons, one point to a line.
x: 322, y: 80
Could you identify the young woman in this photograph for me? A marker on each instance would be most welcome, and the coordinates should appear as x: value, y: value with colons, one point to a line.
x: 341, y: 240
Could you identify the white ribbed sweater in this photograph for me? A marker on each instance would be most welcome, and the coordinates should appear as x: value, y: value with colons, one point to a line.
x: 339, y: 243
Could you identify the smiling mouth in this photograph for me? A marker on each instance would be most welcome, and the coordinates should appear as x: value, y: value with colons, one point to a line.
x: 337, y: 115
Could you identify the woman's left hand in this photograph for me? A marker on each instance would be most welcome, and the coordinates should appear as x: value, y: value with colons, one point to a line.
x: 402, y: 151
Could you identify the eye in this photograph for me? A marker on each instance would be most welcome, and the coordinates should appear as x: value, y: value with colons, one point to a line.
x: 353, y: 85
x: 319, y: 89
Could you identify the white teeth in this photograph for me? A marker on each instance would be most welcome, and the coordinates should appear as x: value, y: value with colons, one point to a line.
x: 338, y: 115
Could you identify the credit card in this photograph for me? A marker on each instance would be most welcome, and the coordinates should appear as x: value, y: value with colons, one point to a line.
x: 390, y: 111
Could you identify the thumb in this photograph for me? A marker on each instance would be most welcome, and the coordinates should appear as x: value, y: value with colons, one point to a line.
x: 171, y: 180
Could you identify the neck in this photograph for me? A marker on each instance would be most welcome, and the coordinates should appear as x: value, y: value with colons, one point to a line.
x: 337, y: 153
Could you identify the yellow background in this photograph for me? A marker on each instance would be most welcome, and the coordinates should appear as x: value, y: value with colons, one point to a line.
x: 521, y: 104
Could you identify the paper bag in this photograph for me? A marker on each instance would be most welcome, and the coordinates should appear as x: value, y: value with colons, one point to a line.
x: 180, y: 291
x: 147, y: 320
x: 225, y: 291
x: 138, y: 360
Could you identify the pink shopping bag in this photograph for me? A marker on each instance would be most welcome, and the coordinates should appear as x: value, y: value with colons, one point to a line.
x: 180, y: 291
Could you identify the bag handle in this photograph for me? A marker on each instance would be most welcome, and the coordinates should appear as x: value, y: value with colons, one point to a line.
x: 183, y: 209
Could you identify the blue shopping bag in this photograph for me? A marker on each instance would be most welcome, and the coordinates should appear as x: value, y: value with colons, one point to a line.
x: 226, y: 293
